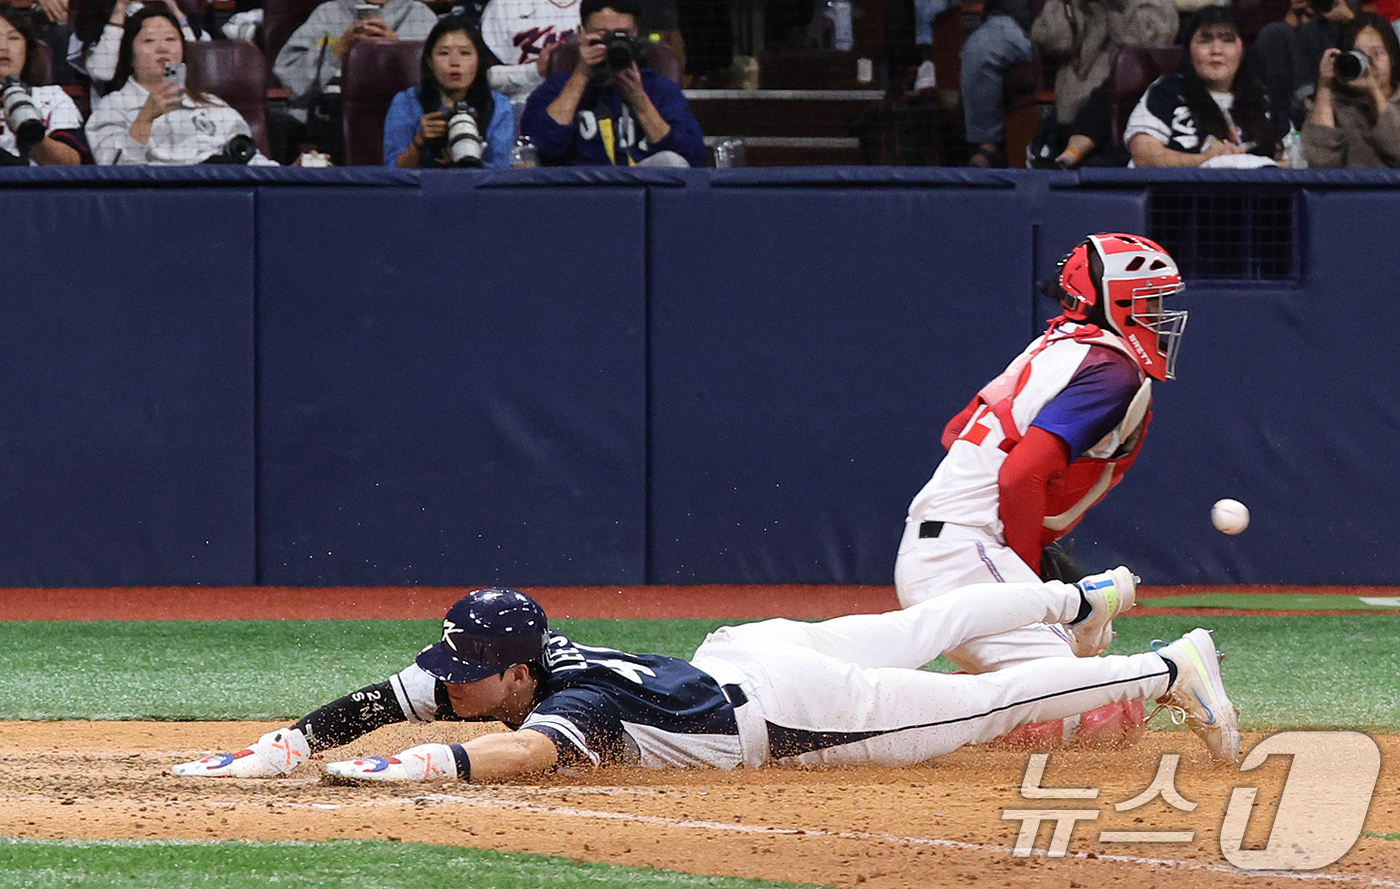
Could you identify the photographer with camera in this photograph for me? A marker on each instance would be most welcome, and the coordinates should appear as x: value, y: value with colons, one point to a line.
x: 452, y: 118
x: 152, y: 117
x: 1287, y: 54
x: 39, y: 124
x: 610, y: 111
x: 1355, y: 119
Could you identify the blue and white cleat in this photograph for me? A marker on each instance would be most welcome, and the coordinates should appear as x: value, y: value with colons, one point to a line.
x: 1197, y: 697
x: 1109, y: 594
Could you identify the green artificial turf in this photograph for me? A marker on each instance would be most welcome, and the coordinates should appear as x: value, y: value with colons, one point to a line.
x: 1330, y: 671
x: 1277, y: 602
x: 345, y: 864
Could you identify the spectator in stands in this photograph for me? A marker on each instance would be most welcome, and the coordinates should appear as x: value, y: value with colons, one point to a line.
x: 606, y: 115
x: 453, y: 70
x: 150, y: 117
x: 1288, y: 53
x: 309, y: 62
x: 48, y: 19
x: 1356, y: 122
x: 1083, y: 37
x: 1211, y: 110
x: 97, y: 37
x: 62, y: 139
x: 999, y: 42
x: 522, y: 34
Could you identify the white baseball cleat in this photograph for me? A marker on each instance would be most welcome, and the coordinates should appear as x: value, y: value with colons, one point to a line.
x: 275, y: 753
x: 1197, y: 697
x: 1109, y: 594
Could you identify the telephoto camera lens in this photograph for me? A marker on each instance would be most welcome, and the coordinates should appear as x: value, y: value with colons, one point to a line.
x: 238, y: 150
x: 464, y: 143
x: 1351, y: 65
x: 21, y: 115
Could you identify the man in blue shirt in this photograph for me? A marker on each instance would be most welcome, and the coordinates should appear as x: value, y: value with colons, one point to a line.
x: 845, y: 691
x: 608, y: 111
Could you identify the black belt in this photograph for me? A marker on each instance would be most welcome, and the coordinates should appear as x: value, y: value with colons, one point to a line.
x: 735, y: 694
x: 930, y: 529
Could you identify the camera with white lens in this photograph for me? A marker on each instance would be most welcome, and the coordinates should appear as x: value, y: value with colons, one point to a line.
x: 464, y: 143
x: 22, y: 117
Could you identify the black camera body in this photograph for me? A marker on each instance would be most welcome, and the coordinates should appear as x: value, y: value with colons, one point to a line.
x: 1322, y: 7
x: 238, y: 150
x: 624, y: 51
x: 24, y: 119
x: 1351, y: 65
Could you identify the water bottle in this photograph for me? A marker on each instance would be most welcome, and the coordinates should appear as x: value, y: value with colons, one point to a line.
x: 524, y: 154
x: 1293, y: 151
x: 842, y: 32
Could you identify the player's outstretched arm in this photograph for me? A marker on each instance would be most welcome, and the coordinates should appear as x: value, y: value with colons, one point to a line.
x: 339, y: 722
x: 499, y: 756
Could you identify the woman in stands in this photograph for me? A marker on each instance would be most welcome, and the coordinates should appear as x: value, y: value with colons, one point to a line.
x: 453, y: 70
x: 62, y: 134
x: 1356, y: 122
x: 1212, y: 111
x: 152, y: 118
x: 97, y: 36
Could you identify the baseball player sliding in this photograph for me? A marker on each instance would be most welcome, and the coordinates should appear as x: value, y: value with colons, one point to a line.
x: 1041, y: 444
x: 842, y: 691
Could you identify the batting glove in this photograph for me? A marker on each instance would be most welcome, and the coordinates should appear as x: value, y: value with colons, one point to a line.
x: 426, y: 762
x: 275, y: 753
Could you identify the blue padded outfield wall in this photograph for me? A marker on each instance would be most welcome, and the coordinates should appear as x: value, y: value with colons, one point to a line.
x: 552, y: 377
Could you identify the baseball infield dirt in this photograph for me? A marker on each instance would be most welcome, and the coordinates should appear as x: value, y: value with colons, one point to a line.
x: 936, y: 825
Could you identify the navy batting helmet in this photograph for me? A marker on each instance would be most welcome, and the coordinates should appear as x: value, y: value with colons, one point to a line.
x: 484, y: 633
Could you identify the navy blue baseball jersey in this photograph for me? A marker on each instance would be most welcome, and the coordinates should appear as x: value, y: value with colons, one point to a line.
x: 601, y: 706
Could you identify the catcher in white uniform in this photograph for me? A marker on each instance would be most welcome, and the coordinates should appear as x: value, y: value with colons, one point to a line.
x: 1041, y: 444
x: 842, y: 691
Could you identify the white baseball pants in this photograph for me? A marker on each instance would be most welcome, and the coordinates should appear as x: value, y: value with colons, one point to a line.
x: 849, y: 690
x: 960, y: 556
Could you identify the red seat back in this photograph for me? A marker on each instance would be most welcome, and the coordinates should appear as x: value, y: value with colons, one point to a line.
x: 234, y: 71
x: 373, y: 73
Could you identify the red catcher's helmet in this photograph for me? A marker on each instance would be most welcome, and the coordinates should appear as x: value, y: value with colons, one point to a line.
x: 1118, y: 281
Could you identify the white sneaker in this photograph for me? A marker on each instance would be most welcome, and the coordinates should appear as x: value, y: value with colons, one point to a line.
x: 1109, y: 594
x: 925, y: 78
x: 1197, y: 697
x: 275, y: 753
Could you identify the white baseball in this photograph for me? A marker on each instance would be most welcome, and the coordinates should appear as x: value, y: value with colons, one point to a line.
x: 1229, y: 516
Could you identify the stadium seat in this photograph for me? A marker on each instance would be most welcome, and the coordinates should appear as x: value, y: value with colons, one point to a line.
x: 42, y: 64
x: 373, y: 73
x: 1134, y: 69
x: 280, y: 19
x: 660, y: 58
x: 234, y: 71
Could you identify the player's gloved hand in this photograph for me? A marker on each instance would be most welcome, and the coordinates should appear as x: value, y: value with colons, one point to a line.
x: 275, y: 753
x: 426, y: 762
